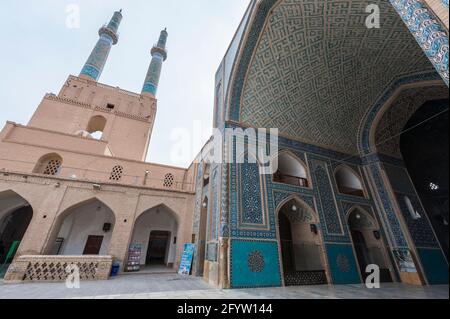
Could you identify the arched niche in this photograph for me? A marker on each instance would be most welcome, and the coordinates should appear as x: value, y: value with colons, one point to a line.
x: 15, y: 216
x: 291, y: 170
x: 301, y: 245
x: 83, y: 229
x: 348, y: 181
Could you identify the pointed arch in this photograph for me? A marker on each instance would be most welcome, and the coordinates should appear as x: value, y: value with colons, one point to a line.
x: 96, y: 126
x: 49, y: 164
x: 368, y: 219
x: 77, y: 224
x: 291, y: 170
x: 16, y: 214
x: 302, y: 204
x: 160, y: 223
x: 348, y: 181
x: 367, y: 241
x: 301, y: 247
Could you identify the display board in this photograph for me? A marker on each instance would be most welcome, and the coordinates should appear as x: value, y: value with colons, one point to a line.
x: 134, y: 258
x: 186, y: 259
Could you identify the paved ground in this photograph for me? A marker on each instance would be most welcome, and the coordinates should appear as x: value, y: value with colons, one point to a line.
x: 170, y: 286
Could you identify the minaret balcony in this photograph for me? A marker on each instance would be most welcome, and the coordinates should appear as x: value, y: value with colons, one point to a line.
x: 105, y: 30
x: 162, y: 51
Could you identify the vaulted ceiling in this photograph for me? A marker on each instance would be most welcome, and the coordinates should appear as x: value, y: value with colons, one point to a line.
x: 315, y: 68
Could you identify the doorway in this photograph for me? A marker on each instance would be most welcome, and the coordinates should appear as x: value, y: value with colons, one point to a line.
x: 93, y: 245
x: 368, y: 245
x: 301, y: 247
x: 158, y: 245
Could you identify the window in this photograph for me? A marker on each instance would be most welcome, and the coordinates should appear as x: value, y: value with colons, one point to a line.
x: 291, y: 171
x: 49, y: 164
x: 348, y: 182
x: 110, y: 106
x: 116, y: 173
x: 168, y: 180
x: 96, y: 127
x: 206, y: 175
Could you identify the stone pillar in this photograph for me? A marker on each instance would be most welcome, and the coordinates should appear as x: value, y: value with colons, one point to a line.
x: 428, y: 31
x: 97, y: 60
x: 122, y: 233
x: 36, y: 238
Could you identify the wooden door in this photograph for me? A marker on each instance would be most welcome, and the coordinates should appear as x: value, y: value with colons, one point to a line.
x: 93, y: 245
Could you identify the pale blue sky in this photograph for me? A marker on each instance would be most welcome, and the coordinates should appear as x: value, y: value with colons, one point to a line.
x: 39, y: 52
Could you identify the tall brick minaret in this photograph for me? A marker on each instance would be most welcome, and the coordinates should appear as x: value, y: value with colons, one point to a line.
x: 108, y: 37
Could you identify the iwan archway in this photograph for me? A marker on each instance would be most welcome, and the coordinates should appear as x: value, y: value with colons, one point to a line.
x: 15, y: 216
x: 84, y: 229
x: 156, y: 235
x: 303, y: 260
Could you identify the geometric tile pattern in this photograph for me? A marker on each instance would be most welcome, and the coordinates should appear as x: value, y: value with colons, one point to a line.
x: 428, y: 31
x: 254, y: 264
x: 311, y: 76
x: 251, y: 203
x: 420, y: 229
x: 342, y: 262
x: 392, y: 221
x: 304, y: 278
x: 326, y: 199
x: 368, y: 123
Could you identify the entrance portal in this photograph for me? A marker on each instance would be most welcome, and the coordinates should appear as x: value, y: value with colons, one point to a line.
x: 368, y: 244
x: 15, y: 216
x: 155, y: 233
x: 424, y: 148
x: 157, y: 248
x: 301, y: 245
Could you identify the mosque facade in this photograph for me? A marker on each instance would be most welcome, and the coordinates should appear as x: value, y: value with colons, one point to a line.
x: 357, y: 183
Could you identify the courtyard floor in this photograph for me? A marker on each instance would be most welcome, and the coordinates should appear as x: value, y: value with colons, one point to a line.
x: 172, y: 286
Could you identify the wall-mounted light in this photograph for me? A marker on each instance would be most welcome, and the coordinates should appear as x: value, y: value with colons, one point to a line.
x: 204, y: 205
x: 294, y: 208
x: 97, y: 187
x: 107, y: 227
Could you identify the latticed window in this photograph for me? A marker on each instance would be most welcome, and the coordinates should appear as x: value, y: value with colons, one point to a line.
x: 49, y: 164
x: 116, y: 173
x: 168, y: 180
x: 53, y: 167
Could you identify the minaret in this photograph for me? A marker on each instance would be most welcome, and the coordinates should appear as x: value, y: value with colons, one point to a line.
x: 159, y: 55
x: 108, y: 37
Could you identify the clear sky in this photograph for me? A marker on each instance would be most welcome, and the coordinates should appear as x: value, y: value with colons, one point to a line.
x: 39, y: 51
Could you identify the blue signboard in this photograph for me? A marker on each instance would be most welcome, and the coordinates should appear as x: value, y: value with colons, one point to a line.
x: 186, y: 259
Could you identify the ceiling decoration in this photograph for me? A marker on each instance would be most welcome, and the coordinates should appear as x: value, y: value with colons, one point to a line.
x: 395, y: 119
x: 317, y: 69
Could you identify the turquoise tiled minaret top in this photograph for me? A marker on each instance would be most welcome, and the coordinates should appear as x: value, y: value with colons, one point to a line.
x: 108, y: 37
x: 159, y: 55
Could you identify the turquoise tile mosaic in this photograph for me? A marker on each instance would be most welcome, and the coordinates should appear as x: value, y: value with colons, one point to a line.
x: 254, y: 264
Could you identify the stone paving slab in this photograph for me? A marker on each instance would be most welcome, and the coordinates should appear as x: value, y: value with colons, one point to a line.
x: 391, y: 291
x: 171, y: 286
x: 121, y: 285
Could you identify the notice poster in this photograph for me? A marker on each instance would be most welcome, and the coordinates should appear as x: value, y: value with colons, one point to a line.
x: 404, y: 260
x: 134, y: 258
x: 186, y: 259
